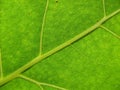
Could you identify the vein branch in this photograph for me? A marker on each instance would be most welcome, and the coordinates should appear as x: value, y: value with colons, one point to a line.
x: 58, y: 48
x: 41, y: 40
x: 41, y: 83
x: 42, y: 28
x: 114, y: 34
x: 1, y: 70
x: 104, y: 9
x: 31, y: 80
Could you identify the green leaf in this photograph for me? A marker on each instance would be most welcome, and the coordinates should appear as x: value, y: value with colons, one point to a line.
x: 60, y: 45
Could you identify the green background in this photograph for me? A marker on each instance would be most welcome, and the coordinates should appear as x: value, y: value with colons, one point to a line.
x: 92, y: 63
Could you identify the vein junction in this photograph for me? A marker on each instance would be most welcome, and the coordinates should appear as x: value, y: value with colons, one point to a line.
x: 41, y: 39
x: 41, y: 83
x: 114, y: 34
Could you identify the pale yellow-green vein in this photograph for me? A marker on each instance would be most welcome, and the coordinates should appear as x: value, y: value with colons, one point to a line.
x: 41, y: 83
x: 104, y: 9
x: 1, y: 70
x: 111, y: 32
x: 42, y: 28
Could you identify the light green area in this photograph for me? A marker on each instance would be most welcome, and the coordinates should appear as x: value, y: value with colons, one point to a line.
x: 92, y: 63
x: 21, y: 22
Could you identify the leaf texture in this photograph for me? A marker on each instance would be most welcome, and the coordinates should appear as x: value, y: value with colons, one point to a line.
x: 90, y: 63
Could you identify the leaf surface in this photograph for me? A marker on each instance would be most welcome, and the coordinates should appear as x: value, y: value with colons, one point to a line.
x: 91, y: 63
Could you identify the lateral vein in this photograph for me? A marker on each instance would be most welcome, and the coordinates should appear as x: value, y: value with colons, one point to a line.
x: 1, y: 69
x: 104, y: 9
x: 43, y: 24
x: 41, y: 40
x: 114, y: 34
x: 41, y: 83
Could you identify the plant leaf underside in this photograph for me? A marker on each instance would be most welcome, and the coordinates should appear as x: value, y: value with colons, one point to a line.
x: 25, y: 70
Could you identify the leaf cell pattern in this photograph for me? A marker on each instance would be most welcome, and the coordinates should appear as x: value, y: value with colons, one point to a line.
x: 41, y: 56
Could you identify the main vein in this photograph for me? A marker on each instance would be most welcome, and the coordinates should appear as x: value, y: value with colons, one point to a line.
x: 58, y: 48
